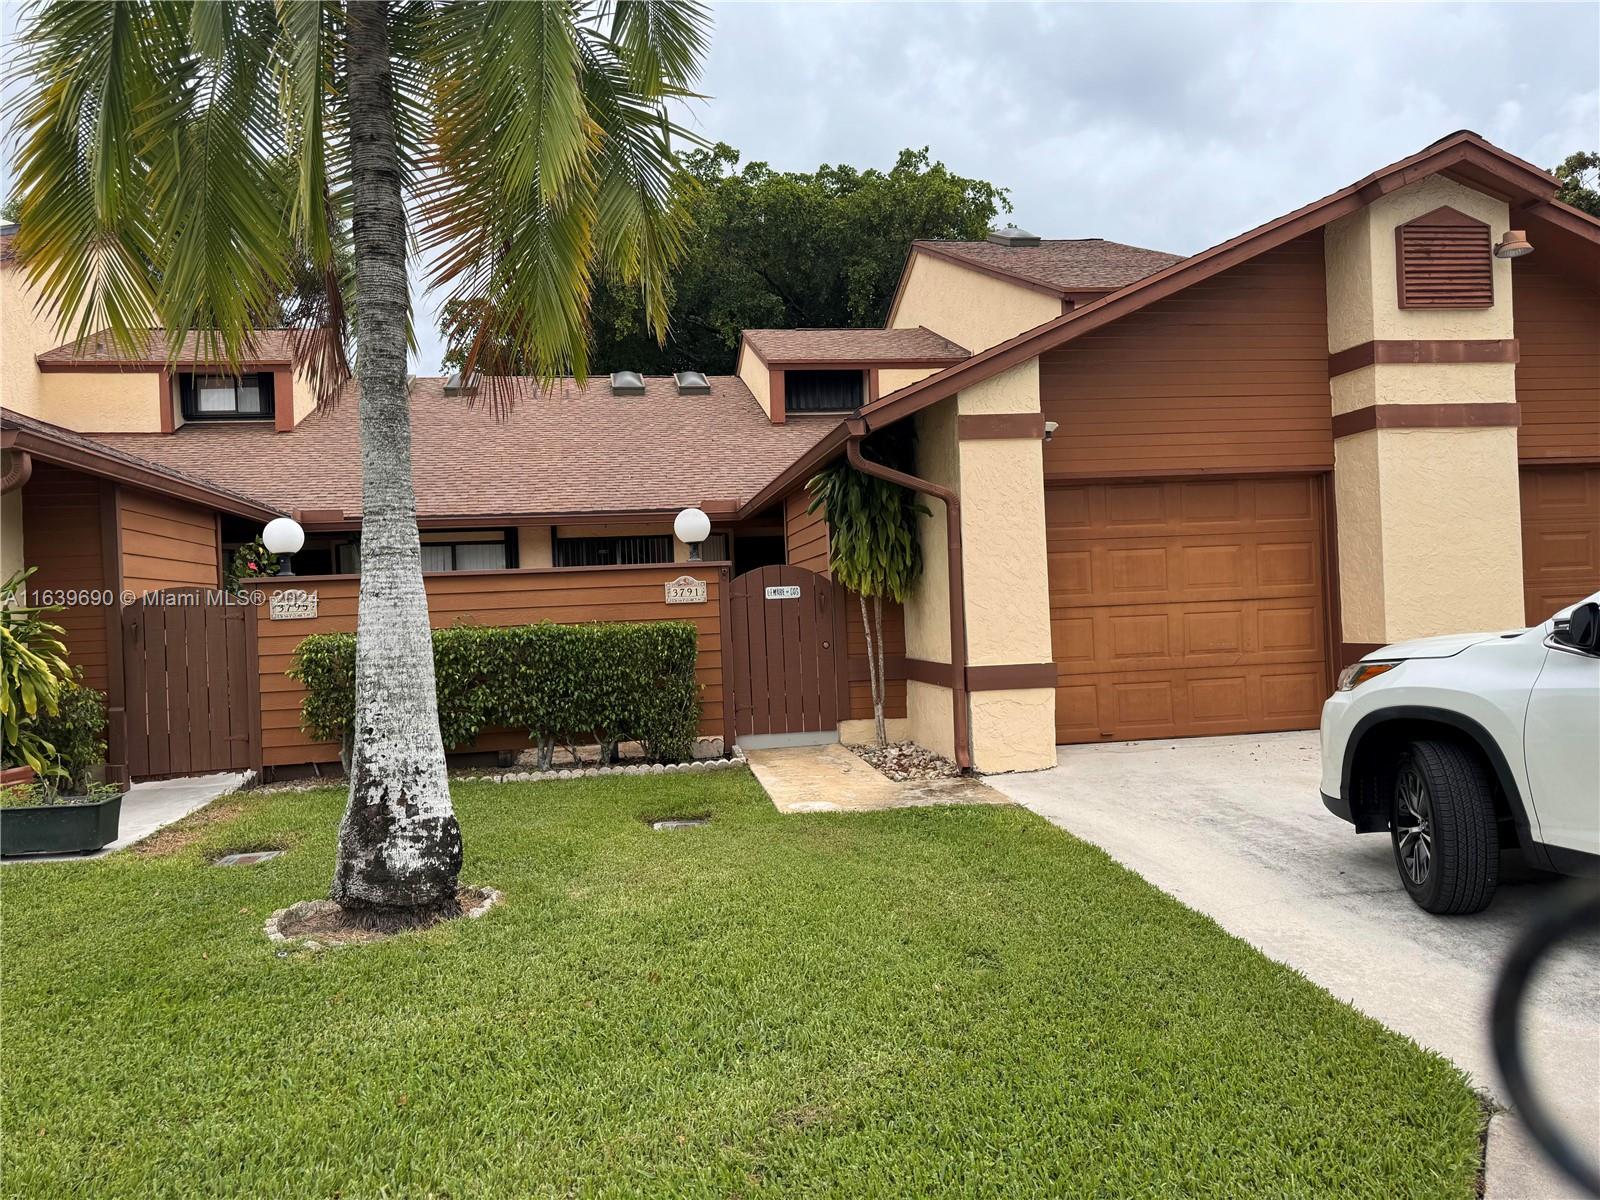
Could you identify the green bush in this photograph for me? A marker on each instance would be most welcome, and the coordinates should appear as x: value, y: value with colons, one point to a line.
x: 565, y: 685
x: 77, y: 731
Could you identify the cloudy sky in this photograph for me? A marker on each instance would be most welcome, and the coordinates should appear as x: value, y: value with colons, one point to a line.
x: 1170, y: 126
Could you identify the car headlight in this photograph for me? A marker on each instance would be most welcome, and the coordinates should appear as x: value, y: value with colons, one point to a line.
x: 1356, y: 674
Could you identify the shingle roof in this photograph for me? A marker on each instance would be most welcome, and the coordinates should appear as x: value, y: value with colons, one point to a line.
x: 1070, y: 264
x: 74, y: 446
x: 920, y: 345
x: 567, y: 451
x: 267, y: 346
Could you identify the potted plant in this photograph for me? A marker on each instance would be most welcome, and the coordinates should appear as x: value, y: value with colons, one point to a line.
x: 54, y: 727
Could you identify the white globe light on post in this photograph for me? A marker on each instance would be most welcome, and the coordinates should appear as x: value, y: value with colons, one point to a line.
x: 692, y: 527
x: 283, y: 537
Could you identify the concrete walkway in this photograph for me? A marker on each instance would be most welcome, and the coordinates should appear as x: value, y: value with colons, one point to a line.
x: 149, y: 806
x: 1234, y: 827
x: 809, y: 779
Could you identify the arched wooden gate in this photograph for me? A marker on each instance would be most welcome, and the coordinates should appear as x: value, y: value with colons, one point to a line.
x: 788, y: 651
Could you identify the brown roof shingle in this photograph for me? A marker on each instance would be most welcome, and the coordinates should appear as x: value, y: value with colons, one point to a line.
x: 266, y: 346
x: 919, y: 345
x: 567, y: 451
x: 1066, y: 265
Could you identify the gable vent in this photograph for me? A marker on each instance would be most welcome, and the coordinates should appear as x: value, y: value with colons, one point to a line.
x: 627, y: 383
x: 1443, y: 260
x: 692, y: 383
x: 1012, y: 236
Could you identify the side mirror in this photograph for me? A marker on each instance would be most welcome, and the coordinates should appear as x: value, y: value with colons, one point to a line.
x: 1583, y: 628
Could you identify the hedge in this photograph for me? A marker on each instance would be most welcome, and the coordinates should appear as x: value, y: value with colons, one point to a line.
x: 565, y: 685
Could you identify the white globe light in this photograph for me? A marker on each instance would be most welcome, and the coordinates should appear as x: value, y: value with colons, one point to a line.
x: 283, y: 536
x: 692, y: 526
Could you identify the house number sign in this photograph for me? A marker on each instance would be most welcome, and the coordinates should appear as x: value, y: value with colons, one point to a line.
x: 292, y: 604
x: 686, y: 589
x: 787, y: 591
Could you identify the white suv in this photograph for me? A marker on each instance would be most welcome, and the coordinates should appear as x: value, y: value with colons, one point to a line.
x: 1462, y: 745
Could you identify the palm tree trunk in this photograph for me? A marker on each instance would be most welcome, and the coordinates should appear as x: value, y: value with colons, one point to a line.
x: 399, y: 843
x: 873, y: 680
x: 879, y: 684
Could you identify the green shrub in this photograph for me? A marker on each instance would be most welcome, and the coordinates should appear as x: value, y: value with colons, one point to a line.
x: 77, y: 731
x: 565, y: 685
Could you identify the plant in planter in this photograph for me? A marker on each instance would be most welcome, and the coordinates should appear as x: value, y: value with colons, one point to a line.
x: 33, y: 664
x: 66, y: 810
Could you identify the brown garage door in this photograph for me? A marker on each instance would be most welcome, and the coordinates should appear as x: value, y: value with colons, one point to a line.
x: 1187, y: 608
x: 1560, y: 537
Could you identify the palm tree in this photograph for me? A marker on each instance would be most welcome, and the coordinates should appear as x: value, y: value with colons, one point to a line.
x: 534, y: 143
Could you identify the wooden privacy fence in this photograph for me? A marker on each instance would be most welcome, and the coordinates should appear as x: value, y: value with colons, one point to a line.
x: 564, y: 595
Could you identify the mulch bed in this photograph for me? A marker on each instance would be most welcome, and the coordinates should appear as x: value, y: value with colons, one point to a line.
x: 907, y: 762
x: 315, y: 924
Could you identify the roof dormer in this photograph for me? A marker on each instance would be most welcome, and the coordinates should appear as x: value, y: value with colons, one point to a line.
x: 834, y: 372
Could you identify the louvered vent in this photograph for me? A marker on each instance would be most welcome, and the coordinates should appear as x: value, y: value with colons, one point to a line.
x: 1444, y: 261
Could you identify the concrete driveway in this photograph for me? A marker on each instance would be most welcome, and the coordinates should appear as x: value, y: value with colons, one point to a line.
x: 1234, y: 827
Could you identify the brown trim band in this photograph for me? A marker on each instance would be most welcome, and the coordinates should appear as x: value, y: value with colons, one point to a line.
x: 984, y: 679
x: 859, y: 670
x: 1426, y: 416
x: 1459, y: 350
x: 986, y: 426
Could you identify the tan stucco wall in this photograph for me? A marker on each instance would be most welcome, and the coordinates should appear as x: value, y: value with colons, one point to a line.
x: 930, y: 718
x: 1430, y: 532
x: 971, y: 309
x: 1014, y: 730
x: 1003, y: 538
x: 927, y: 610
x: 25, y: 333
x: 892, y: 379
x: 757, y: 377
x: 858, y: 732
x: 11, y: 545
x: 305, y: 398
x: 1363, y: 303
x: 102, y: 401
x: 533, y: 546
x: 1423, y: 383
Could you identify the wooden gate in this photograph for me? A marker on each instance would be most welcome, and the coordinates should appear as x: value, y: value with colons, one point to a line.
x: 190, y: 683
x: 788, y: 641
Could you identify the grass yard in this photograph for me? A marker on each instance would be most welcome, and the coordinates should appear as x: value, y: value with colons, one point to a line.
x: 923, y: 1002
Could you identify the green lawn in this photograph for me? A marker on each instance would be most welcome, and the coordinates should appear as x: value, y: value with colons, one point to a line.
x: 923, y: 1002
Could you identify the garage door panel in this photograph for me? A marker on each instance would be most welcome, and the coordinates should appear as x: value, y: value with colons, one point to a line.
x: 1183, y: 608
x: 1560, y: 537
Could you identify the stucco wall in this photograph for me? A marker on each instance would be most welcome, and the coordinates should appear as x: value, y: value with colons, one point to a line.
x: 1424, y: 383
x: 892, y: 379
x: 1014, y: 730
x: 929, y: 717
x: 928, y: 608
x: 533, y: 546
x: 757, y: 377
x: 11, y: 543
x: 971, y: 309
x: 25, y: 332
x: 1363, y: 303
x: 102, y: 401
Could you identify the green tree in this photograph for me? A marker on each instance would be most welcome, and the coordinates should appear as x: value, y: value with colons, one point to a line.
x: 535, y: 145
x: 774, y: 249
x: 1579, y: 174
x: 872, y: 538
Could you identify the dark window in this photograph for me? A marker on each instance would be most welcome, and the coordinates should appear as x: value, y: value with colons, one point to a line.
x: 821, y: 391
x: 446, y: 551
x: 226, y: 397
x: 612, y: 551
x: 751, y: 551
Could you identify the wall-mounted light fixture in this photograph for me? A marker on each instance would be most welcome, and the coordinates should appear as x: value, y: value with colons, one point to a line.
x: 1514, y: 245
x: 1050, y: 428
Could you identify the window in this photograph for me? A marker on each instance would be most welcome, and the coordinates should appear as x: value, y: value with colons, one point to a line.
x: 1443, y: 260
x: 226, y: 397
x: 822, y: 391
x: 448, y: 550
x: 612, y: 551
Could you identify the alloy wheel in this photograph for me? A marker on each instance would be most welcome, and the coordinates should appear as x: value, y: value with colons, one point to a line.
x: 1413, y: 826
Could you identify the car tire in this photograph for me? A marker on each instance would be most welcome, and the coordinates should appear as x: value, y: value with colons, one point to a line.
x: 1442, y: 826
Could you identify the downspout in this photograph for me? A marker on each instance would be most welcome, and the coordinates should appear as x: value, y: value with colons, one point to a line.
x: 958, y: 607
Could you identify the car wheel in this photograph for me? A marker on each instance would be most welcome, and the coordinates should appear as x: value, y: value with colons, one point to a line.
x: 1442, y: 824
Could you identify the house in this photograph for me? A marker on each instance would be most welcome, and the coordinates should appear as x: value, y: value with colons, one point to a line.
x: 1167, y: 496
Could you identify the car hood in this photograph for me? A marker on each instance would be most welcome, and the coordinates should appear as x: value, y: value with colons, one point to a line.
x: 1436, y: 647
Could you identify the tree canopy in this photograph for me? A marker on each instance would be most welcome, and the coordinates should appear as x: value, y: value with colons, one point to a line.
x: 1579, y: 174
x: 774, y: 249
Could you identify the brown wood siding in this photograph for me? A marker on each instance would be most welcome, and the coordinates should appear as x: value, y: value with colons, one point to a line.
x: 805, y: 535
x: 565, y: 596
x: 1558, y: 378
x: 166, y: 543
x: 1560, y: 538
x: 1230, y: 375
x: 1187, y: 608
x: 894, y: 652
x: 61, y: 535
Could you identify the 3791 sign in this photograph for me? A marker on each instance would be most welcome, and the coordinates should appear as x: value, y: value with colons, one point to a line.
x: 686, y: 589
